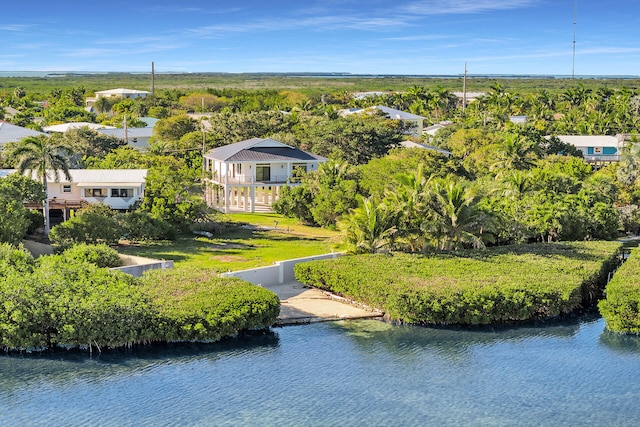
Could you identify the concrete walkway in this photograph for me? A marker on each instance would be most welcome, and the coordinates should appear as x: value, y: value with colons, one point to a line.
x: 300, y: 305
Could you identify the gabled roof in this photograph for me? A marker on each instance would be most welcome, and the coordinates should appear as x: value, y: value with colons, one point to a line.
x: 84, y: 177
x: 144, y: 132
x: 13, y: 133
x: 411, y: 144
x: 121, y: 92
x: 591, y: 140
x: 76, y: 125
x: 391, y: 112
x: 260, y: 150
x: 397, y: 114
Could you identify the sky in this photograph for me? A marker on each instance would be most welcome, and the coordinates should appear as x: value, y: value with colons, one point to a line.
x: 423, y: 37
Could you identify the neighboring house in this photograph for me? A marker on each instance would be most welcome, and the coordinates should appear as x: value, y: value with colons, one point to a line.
x: 135, y: 137
x: 416, y: 121
x: 249, y: 174
x: 13, y: 133
x: 411, y: 144
x: 62, y: 128
x: 518, y: 120
x: 433, y: 129
x: 469, y: 96
x: 123, y: 93
x: 117, y: 93
x: 597, y: 149
x: 117, y: 188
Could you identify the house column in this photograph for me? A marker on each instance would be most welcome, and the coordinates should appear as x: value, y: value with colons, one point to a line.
x: 253, y: 199
x: 227, y: 196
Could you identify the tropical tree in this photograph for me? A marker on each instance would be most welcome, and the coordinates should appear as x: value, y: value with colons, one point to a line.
x: 368, y: 228
x: 457, y: 220
x: 42, y: 157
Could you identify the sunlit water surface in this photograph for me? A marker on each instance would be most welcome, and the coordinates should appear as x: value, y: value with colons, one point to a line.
x: 359, y: 373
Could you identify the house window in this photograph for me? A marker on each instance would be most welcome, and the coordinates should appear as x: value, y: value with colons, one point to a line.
x: 66, y: 188
x: 94, y: 192
x: 263, y: 173
x: 121, y: 192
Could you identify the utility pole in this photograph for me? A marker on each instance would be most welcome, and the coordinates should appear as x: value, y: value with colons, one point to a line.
x: 464, y: 88
x: 124, y: 126
x: 153, y: 77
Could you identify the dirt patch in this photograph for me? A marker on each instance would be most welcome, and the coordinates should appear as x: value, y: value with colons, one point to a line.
x: 230, y: 258
x: 226, y: 246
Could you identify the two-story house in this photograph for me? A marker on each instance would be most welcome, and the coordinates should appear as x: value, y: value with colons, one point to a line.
x: 249, y: 174
x: 597, y: 149
x: 116, y: 188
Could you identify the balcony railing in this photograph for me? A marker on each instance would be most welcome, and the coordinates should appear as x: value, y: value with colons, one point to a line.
x: 248, y: 179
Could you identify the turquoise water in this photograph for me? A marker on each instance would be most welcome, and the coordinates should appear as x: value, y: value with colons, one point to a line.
x: 341, y: 374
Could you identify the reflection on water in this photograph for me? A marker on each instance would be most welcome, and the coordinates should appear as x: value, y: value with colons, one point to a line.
x: 343, y: 373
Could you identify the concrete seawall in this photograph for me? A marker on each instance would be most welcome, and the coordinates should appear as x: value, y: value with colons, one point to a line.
x: 136, y: 265
x: 299, y: 304
x: 279, y: 273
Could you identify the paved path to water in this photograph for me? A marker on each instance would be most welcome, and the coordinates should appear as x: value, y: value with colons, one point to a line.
x: 299, y: 305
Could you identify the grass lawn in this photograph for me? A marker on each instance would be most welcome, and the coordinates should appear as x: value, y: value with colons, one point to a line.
x: 256, y: 245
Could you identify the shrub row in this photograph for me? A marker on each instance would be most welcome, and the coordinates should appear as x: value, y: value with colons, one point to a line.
x: 96, y: 226
x: 66, y: 301
x: 504, y: 284
x: 621, y: 307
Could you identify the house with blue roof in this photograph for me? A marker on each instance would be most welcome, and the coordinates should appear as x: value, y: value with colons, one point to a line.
x: 248, y: 175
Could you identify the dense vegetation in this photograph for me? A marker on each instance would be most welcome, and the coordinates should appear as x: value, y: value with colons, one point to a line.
x: 621, y: 307
x: 502, y: 183
x: 67, y: 301
x: 503, y: 284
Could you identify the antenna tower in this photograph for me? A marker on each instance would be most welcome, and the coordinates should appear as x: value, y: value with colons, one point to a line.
x: 575, y: 14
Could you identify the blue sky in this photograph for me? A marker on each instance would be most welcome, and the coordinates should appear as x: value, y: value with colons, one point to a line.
x: 356, y: 36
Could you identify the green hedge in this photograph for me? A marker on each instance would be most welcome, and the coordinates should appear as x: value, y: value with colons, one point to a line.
x: 198, y: 305
x: 100, y: 255
x: 64, y: 301
x: 504, y: 284
x: 621, y: 307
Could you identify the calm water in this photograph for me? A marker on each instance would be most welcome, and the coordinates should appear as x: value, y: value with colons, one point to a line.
x: 340, y: 374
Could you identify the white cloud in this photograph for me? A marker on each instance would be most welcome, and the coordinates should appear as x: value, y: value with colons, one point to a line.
x: 452, y: 7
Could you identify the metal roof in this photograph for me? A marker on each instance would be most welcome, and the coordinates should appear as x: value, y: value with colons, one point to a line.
x: 591, y: 140
x: 145, y: 132
x: 121, y: 91
x: 260, y: 150
x: 132, y: 177
x: 13, y: 133
x: 76, y: 125
x: 397, y: 114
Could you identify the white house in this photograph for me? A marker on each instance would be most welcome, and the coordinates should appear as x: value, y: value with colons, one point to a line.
x: 117, y: 188
x: 63, y: 127
x: 416, y: 121
x: 596, y: 148
x: 135, y: 137
x: 116, y: 93
x: 13, y: 133
x: 249, y: 174
x: 411, y: 144
x: 123, y: 93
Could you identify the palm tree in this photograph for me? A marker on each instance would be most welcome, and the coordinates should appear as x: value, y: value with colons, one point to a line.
x: 42, y: 156
x: 409, y: 200
x: 515, y: 152
x: 458, y: 220
x: 368, y: 228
